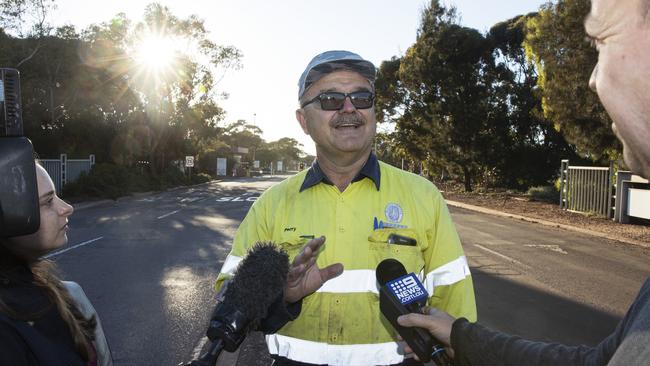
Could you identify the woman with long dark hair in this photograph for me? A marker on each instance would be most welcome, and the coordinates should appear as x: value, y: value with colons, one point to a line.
x: 43, y: 320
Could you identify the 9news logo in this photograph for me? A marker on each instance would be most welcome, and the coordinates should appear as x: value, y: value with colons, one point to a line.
x: 407, y: 289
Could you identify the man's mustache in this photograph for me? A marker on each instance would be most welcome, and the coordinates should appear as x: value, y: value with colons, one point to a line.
x: 342, y: 120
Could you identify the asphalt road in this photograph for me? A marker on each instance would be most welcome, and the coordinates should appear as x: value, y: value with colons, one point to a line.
x: 149, y: 263
x: 546, y: 283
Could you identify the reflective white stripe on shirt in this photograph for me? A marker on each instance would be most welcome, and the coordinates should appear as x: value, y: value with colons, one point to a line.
x: 365, y: 280
x: 447, y: 274
x: 322, y: 353
x: 358, y: 280
x: 230, y: 265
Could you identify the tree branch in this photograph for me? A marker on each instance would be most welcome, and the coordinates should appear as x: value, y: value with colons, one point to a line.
x: 38, y: 47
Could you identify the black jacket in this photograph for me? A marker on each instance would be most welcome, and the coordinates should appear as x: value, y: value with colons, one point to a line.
x: 628, y: 345
x: 41, y: 337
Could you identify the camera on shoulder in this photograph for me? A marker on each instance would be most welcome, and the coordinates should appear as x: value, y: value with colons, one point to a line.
x: 19, y: 209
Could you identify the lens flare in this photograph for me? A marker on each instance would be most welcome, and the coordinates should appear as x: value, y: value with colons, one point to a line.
x: 156, y: 52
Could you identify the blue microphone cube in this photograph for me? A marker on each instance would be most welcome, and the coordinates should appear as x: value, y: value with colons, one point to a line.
x: 407, y: 289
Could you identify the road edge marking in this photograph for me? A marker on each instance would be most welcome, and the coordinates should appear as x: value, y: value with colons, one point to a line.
x: 167, y: 214
x: 501, y: 255
x: 72, y: 247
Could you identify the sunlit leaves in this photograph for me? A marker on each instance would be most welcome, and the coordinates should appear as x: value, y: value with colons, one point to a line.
x: 556, y: 42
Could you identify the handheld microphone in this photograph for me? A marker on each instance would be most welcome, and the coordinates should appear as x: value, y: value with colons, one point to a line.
x: 400, y: 294
x: 258, y: 282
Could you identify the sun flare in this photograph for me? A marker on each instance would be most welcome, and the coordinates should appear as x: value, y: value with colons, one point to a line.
x: 156, y: 52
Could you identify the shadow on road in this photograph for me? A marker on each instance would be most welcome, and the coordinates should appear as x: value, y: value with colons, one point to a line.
x: 537, y: 315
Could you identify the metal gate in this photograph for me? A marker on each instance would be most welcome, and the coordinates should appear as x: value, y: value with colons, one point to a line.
x: 587, y: 189
x: 64, y: 170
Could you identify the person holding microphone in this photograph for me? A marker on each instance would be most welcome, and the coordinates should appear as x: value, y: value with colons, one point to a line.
x: 620, y: 30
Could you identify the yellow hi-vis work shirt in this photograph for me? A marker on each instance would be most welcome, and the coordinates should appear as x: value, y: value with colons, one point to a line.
x: 341, y: 323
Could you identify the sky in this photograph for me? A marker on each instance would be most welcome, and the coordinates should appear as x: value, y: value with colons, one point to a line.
x: 279, y: 38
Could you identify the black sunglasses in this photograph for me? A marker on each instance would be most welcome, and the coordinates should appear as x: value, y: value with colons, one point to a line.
x: 333, y: 101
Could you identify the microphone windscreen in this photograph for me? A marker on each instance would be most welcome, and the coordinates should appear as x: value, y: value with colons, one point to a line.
x: 259, y: 281
x: 389, y: 269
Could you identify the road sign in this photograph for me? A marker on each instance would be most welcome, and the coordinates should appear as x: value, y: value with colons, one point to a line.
x: 189, y: 161
x: 221, y: 166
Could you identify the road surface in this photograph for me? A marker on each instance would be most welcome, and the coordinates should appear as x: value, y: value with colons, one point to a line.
x: 148, y: 264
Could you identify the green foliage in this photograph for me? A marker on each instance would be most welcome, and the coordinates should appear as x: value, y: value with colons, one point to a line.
x: 468, y: 105
x: 86, y: 92
x: 544, y: 194
x: 105, y: 180
x: 114, y: 181
x: 443, y: 81
x: 389, y: 150
x: 200, y: 178
x: 555, y: 41
x: 557, y: 183
x: 286, y: 149
x: 27, y: 18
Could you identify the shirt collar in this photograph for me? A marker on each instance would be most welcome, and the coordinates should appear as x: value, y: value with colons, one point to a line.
x: 369, y: 170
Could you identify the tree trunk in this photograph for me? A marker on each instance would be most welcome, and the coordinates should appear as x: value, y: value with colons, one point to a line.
x: 468, y: 179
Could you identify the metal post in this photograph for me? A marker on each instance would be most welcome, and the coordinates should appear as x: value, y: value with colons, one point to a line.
x: 579, y: 190
x: 563, y: 176
x: 64, y: 168
x: 610, y: 178
x: 619, y: 213
x: 570, y: 184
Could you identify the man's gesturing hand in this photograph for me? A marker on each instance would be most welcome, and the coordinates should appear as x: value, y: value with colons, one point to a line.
x: 304, y: 275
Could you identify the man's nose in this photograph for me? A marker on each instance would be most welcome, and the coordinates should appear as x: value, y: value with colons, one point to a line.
x: 348, y: 107
x: 592, y: 78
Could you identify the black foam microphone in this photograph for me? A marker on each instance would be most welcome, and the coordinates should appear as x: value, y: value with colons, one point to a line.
x: 400, y: 294
x: 258, y: 282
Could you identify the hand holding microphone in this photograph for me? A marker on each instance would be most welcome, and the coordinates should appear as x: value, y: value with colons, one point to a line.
x: 261, y: 280
x: 402, y: 294
x: 437, y: 322
x: 258, y: 282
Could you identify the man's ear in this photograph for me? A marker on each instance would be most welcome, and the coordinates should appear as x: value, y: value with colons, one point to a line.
x: 302, y: 119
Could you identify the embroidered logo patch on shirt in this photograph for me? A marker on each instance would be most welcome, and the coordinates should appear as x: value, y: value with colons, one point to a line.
x: 394, y: 212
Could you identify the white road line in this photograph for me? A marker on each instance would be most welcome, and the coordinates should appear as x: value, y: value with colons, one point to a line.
x: 167, y: 214
x: 197, y: 350
x: 190, y: 199
x: 552, y: 248
x: 501, y: 255
x: 72, y: 247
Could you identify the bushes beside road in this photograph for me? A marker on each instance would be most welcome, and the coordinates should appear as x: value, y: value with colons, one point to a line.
x: 544, y: 194
x: 113, y: 181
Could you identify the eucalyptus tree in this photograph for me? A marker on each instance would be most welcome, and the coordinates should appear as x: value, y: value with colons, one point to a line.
x: 439, y: 95
x: 556, y: 42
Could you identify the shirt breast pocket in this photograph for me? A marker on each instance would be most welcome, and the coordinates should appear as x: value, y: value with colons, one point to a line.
x: 401, y: 244
x: 292, y: 245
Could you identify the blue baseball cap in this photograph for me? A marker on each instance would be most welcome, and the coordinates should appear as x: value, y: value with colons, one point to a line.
x: 331, y: 61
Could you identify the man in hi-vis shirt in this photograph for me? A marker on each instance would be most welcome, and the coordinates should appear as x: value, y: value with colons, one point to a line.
x: 338, y: 220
